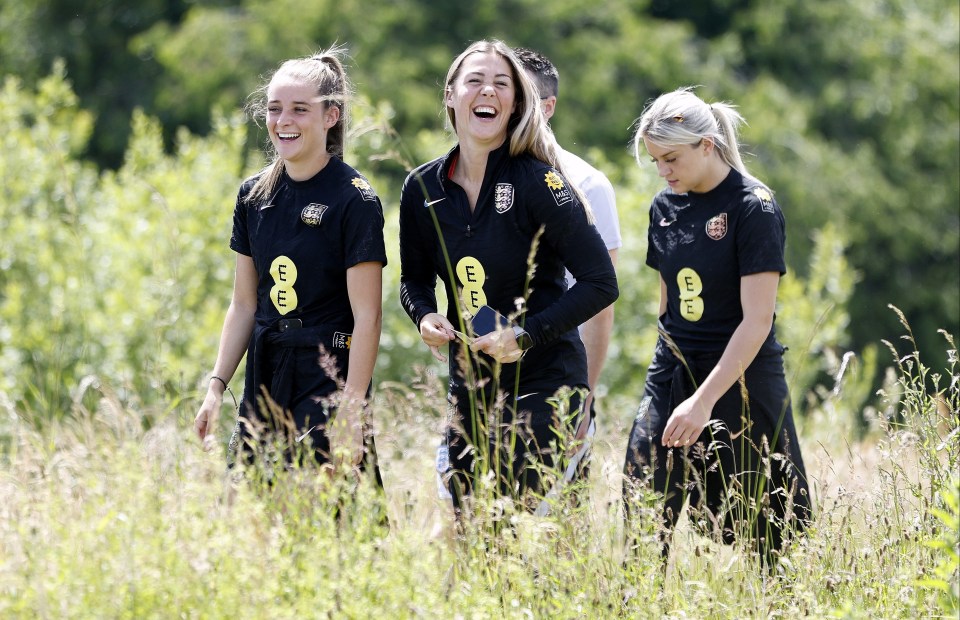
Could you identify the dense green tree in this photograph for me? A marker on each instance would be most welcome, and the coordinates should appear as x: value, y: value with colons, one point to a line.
x: 853, y: 110
x: 42, y: 272
x: 93, y: 38
x: 108, y: 277
x: 877, y: 145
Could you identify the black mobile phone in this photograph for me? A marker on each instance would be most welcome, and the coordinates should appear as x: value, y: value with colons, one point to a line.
x: 487, y: 320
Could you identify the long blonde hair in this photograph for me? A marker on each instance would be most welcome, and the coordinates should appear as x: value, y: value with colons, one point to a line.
x: 527, y: 130
x: 325, y: 71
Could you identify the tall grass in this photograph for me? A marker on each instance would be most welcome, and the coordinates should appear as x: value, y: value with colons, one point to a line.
x: 100, y: 518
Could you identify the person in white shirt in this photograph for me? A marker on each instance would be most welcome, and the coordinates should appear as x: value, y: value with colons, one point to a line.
x: 595, y: 333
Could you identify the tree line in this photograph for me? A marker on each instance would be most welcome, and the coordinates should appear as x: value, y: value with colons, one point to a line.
x: 853, y: 112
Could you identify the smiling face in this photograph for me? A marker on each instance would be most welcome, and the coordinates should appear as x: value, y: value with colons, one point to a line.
x: 686, y: 167
x: 298, y: 122
x: 482, y: 99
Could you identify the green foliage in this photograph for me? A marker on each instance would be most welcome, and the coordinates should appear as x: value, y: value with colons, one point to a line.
x: 813, y: 317
x: 45, y: 297
x: 219, y: 68
x: 163, y: 267
x: 92, y: 36
x: 853, y: 108
x: 945, y: 576
x: 111, y: 275
x: 876, y: 147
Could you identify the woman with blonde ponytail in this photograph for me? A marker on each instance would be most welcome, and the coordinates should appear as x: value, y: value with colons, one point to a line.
x: 306, y: 307
x: 715, y: 425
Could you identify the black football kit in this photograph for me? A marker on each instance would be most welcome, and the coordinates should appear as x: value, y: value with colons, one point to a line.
x: 482, y: 259
x: 702, y: 245
x: 302, y: 240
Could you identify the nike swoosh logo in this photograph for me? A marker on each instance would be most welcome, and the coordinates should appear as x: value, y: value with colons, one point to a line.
x: 265, y: 207
x: 433, y: 202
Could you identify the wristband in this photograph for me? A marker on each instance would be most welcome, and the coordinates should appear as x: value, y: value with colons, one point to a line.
x: 226, y: 388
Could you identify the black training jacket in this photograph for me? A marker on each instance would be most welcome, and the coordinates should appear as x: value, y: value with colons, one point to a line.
x: 488, y: 254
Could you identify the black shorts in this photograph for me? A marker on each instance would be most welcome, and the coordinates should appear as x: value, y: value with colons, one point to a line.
x: 276, y: 436
x: 745, y: 474
x: 521, y: 441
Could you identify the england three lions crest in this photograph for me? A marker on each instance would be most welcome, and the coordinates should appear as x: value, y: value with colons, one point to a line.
x: 717, y: 227
x: 503, y: 197
x: 312, y: 214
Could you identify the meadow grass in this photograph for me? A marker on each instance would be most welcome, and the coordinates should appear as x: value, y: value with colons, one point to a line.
x: 100, y: 518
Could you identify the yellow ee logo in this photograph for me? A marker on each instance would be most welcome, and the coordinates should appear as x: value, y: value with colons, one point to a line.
x: 284, y: 274
x: 691, y: 304
x: 471, y: 275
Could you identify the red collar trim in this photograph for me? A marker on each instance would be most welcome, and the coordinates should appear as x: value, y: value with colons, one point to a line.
x: 453, y: 165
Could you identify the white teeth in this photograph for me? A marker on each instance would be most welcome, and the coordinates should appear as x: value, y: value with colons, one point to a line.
x: 288, y: 135
x: 484, y: 110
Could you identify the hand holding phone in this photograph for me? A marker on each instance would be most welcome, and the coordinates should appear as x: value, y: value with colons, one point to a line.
x: 487, y: 320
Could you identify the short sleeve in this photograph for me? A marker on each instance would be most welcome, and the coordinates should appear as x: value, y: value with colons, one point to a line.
x: 761, y: 234
x: 603, y: 202
x: 363, y: 228
x: 240, y: 237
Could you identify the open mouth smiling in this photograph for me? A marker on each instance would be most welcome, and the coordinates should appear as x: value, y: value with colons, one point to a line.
x: 288, y: 136
x: 485, y: 111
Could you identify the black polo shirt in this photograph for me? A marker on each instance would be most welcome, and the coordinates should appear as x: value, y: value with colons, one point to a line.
x: 702, y: 244
x: 303, y: 240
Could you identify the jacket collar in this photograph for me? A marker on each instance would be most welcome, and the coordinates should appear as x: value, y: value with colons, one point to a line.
x: 495, y: 159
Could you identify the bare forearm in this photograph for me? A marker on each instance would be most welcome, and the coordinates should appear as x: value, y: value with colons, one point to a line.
x: 364, y: 286
x: 364, y: 345
x: 737, y: 356
x: 234, y: 339
x: 239, y: 320
x: 758, y: 294
x: 758, y: 297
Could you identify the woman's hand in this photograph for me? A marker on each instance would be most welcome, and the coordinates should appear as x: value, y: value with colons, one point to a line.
x: 205, y: 424
x: 686, y: 422
x: 436, y: 331
x: 345, y: 432
x: 500, y: 344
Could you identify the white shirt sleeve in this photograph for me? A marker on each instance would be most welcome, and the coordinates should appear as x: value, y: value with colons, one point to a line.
x: 603, y: 201
x: 599, y: 191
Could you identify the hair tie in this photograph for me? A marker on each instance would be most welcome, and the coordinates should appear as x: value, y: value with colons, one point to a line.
x: 227, y: 388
